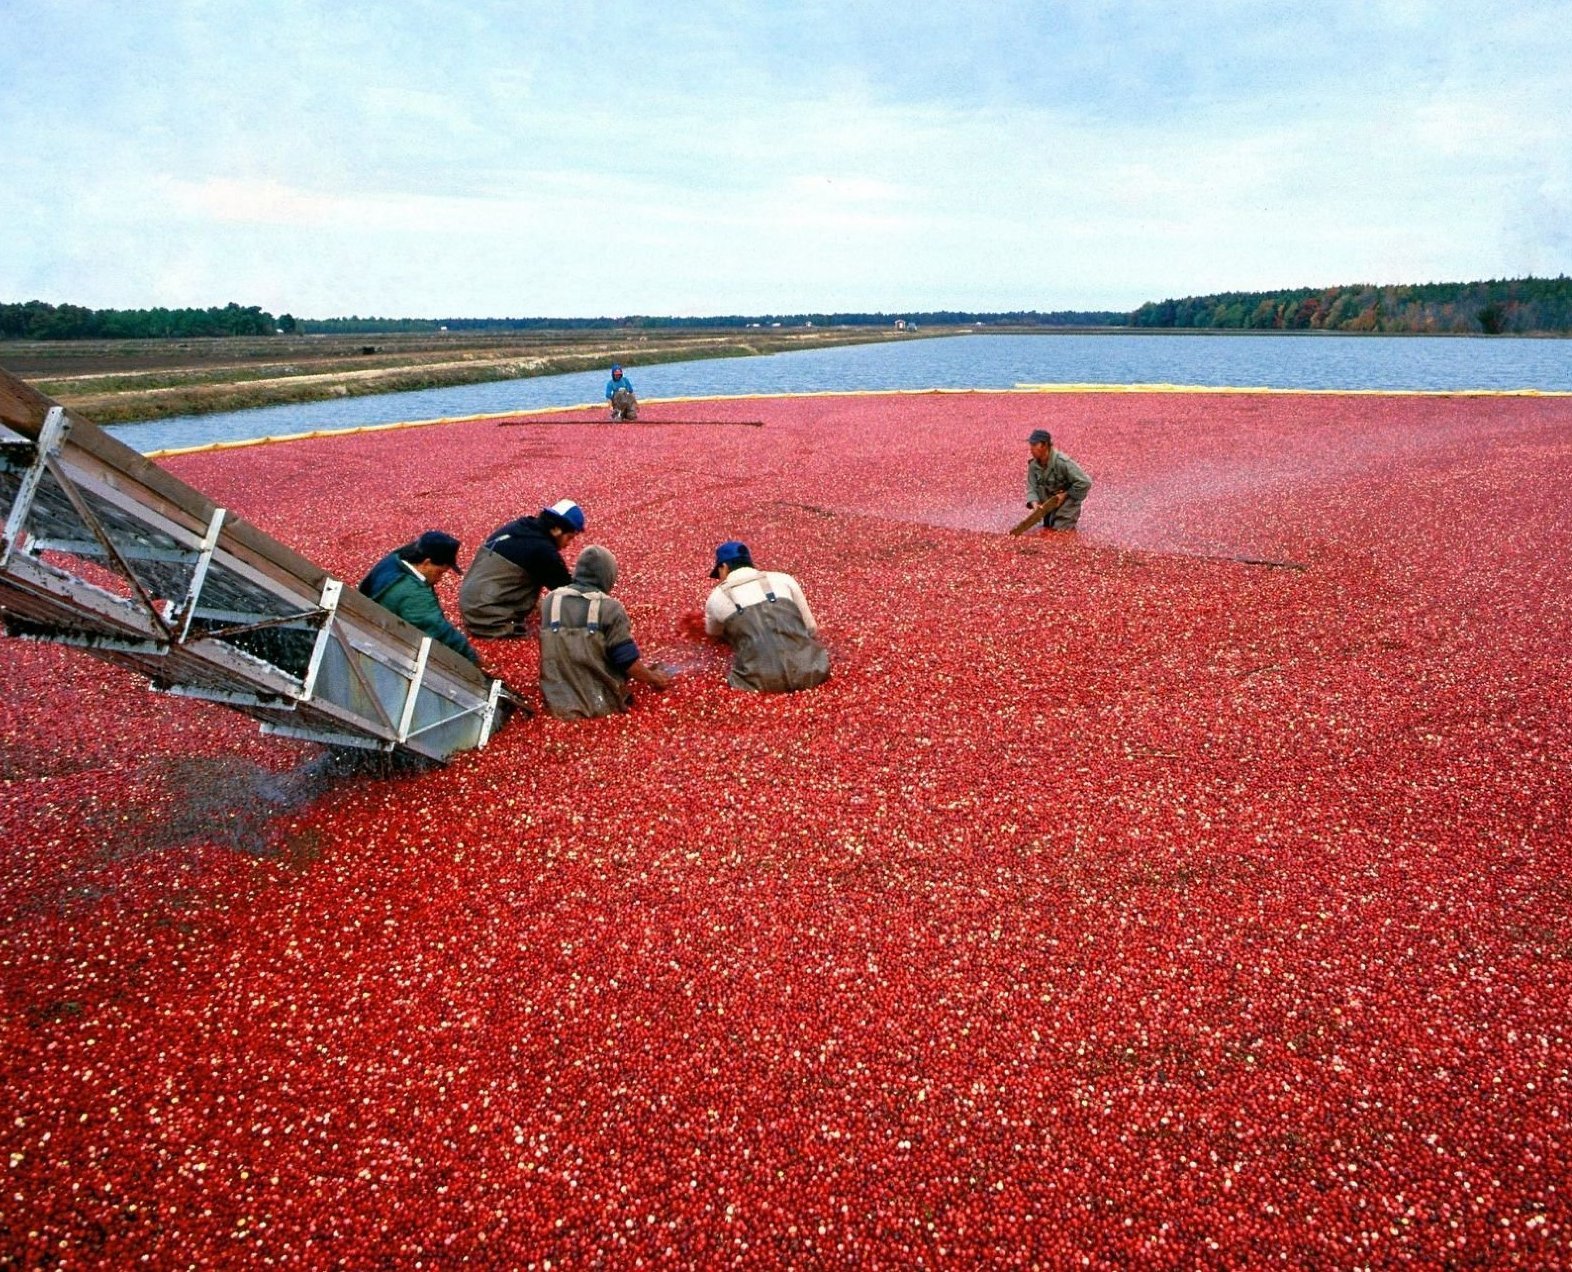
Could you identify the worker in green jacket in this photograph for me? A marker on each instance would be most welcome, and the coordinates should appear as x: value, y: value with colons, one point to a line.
x: 405, y: 581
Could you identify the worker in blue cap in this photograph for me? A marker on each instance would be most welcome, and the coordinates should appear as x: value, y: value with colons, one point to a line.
x: 765, y: 618
x: 517, y: 562
x: 619, y: 392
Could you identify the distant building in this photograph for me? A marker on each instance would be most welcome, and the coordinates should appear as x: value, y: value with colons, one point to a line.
x: 900, y: 324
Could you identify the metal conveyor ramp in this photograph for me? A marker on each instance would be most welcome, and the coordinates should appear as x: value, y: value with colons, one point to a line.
x: 105, y: 551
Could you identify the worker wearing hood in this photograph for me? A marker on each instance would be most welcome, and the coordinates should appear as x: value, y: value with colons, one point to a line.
x: 619, y: 392
x: 587, y: 651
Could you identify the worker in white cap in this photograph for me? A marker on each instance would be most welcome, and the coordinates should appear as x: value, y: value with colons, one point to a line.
x: 516, y: 562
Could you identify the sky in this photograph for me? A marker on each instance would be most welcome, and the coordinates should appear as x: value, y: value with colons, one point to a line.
x: 583, y: 158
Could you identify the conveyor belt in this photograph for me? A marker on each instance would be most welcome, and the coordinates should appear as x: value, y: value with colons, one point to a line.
x: 104, y: 551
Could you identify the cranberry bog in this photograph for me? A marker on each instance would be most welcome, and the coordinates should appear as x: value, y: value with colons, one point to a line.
x: 1193, y: 890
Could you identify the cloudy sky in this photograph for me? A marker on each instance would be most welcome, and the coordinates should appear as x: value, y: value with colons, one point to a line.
x: 434, y: 158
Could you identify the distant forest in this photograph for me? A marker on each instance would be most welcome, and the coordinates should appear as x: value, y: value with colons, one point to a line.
x: 643, y: 322
x: 37, y: 320
x: 1517, y: 306
x: 1512, y: 306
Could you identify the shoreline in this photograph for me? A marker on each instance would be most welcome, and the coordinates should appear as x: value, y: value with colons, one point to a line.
x: 133, y: 382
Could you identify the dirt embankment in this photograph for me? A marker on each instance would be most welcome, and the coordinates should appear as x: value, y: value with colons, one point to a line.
x: 122, y: 381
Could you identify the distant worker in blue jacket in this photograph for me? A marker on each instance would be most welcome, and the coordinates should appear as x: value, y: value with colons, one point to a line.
x: 619, y: 392
x: 405, y: 581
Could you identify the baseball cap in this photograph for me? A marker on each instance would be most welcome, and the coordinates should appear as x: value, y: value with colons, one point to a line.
x: 440, y: 548
x: 732, y: 553
x: 564, y: 514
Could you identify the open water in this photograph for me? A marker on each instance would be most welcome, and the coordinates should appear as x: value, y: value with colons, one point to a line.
x: 1299, y: 361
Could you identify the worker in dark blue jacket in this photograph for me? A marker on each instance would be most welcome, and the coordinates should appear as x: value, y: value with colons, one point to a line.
x: 405, y: 581
x: 518, y: 561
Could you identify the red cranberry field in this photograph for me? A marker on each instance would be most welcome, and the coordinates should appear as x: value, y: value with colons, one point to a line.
x: 1192, y: 890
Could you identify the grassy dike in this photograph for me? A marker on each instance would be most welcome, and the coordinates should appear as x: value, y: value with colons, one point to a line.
x: 119, y: 382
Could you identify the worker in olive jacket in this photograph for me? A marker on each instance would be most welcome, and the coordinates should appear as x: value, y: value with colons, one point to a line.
x: 587, y: 652
x: 1052, y: 477
x: 765, y: 618
x: 517, y: 562
x: 405, y: 581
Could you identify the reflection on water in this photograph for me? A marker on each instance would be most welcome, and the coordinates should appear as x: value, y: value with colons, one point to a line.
x: 960, y: 362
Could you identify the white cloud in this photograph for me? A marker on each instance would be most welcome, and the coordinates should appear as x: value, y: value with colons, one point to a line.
x: 424, y: 160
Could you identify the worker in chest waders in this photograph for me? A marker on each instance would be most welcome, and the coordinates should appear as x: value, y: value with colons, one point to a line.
x: 514, y: 565
x: 405, y: 582
x: 1053, y: 478
x: 765, y: 618
x: 619, y: 392
x: 587, y: 651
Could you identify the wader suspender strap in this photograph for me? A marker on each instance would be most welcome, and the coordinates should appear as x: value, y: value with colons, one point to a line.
x: 554, y: 612
x: 764, y: 582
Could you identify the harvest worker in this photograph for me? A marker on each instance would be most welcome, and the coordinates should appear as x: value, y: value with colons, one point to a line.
x: 587, y: 654
x: 405, y: 581
x: 1055, y: 480
x: 765, y: 618
x: 619, y: 392
x: 513, y: 565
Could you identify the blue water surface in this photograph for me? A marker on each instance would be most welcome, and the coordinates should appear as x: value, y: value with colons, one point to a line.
x: 1299, y: 361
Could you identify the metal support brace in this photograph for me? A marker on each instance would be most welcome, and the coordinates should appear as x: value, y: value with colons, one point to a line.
x: 331, y: 591
x: 199, y: 575
x: 488, y: 715
x: 91, y: 521
x: 49, y: 438
x: 358, y: 740
x: 352, y: 661
x: 95, y: 641
x: 233, y: 697
x: 414, y: 688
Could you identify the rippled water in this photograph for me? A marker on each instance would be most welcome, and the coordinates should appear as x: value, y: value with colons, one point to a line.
x: 969, y: 361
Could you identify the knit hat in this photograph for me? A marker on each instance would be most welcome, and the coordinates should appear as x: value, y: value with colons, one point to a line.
x: 1041, y: 435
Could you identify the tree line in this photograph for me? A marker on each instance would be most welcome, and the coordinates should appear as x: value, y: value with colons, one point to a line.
x: 1514, y: 306
x: 1509, y: 306
x: 38, y: 320
x: 653, y: 322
